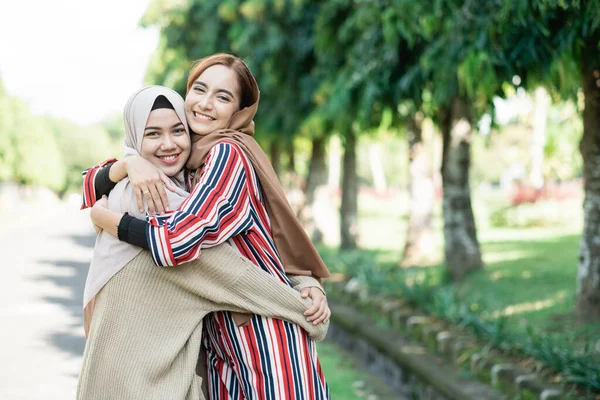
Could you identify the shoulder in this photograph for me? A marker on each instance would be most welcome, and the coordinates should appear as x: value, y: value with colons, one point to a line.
x: 227, y: 151
x: 227, y: 145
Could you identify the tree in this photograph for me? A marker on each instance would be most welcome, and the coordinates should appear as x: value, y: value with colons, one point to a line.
x: 579, y: 39
x: 358, y: 58
x: 466, y: 59
x: 556, y: 44
x: 38, y: 159
x: 276, y: 39
x: 419, y: 236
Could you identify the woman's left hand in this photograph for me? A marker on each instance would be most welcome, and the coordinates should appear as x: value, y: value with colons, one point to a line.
x: 101, y: 203
x: 105, y: 218
x: 319, y: 311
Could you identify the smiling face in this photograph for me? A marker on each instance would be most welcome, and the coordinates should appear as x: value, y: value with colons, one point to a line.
x: 165, y: 144
x: 212, y: 99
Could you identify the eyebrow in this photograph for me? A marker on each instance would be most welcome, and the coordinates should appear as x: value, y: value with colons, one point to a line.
x: 220, y: 90
x: 159, y: 128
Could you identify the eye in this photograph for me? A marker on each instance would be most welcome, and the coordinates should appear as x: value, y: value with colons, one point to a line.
x: 179, y: 131
x: 199, y: 89
x: 224, y: 98
x: 151, y: 134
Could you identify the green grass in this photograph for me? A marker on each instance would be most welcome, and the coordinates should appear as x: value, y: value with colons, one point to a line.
x: 525, y: 294
x: 341, y: 372
x: 529, y: 275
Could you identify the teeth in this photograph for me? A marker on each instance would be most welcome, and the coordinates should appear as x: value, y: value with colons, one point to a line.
x: 201, y: 116
x: 168, y: 157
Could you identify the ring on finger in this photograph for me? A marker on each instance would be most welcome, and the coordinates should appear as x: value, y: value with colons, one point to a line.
x: 146, y: 192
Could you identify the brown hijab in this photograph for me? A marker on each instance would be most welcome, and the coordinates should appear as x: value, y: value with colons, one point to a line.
x: 297, y: 252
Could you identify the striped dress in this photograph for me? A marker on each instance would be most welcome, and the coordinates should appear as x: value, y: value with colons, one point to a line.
x: 269, y: 358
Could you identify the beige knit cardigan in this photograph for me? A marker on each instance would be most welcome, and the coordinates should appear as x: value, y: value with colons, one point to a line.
x: 145, y: 337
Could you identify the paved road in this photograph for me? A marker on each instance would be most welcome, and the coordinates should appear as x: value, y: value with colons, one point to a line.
x: 45, y: 258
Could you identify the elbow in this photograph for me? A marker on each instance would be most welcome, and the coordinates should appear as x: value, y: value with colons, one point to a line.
x: 95, y: 215
x: 319, y: 332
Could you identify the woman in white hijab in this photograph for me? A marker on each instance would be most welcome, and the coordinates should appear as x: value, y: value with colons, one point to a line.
x: 145, y: 335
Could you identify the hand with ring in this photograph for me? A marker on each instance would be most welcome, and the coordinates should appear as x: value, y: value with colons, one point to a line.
x: 149, y: 183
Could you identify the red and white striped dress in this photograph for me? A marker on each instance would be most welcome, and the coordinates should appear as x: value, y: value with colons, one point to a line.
x: 270, y: 358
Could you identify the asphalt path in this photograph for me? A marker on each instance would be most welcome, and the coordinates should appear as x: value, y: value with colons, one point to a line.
x: 45, y: 257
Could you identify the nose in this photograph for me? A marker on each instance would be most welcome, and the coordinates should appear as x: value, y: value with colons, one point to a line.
x: 205, y: 103
x: 168, y: 143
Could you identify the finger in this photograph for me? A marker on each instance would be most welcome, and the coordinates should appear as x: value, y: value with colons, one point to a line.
x: 168, y: 183
x: 319, y: 315
x: 138, y: 197
x: 324, y: 318
x: 304, y: 293
x: 163, y: 196
x: 312, y: 310
x: 322, y: 314
x: 148, y: 197
x: 155, y: 197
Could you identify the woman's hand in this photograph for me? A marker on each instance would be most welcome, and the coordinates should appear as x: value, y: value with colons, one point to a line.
x: 105, y: 219
x: 102, y: 203
x: 319, y: 311
x: 149, y: 183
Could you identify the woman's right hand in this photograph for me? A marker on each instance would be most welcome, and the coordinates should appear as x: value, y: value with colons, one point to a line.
x: 149, y: 183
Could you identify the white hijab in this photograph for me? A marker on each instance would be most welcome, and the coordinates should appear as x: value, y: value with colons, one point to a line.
x: 110, y: 254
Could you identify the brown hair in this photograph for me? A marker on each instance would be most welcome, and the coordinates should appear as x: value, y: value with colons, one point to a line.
x: 248, y: 86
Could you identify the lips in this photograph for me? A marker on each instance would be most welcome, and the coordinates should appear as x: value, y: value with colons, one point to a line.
x: 169, y: 159
x: 203, y: 117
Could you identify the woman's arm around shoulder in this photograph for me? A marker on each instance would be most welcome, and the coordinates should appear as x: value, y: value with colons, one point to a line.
x: 148, y: 182
x: 218, y: 208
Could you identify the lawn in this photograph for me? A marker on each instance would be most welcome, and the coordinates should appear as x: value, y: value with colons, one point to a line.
x: 529, y: 275
x: 346, y: 376
x: 528, y: 285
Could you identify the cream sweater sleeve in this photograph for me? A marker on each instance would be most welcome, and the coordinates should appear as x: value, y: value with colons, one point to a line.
x: 235, y: 284
x: 300, y: 282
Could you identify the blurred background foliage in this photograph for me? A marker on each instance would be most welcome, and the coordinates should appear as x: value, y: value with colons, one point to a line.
x: 46, y: 151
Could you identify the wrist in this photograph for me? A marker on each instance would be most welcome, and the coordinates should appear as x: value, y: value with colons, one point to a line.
x: 118, y: 170
x: 106, y: 219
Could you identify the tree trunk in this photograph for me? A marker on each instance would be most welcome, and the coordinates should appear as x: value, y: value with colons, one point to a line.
x: 588, y: 277
x: 538, y: 138
x: 317, y: 176
x: 275, y: 155
x: 461, y: 246
x: 291, y: 156
x: 317, y: 171
x: 349, y: 207
x: 375, y: 162
x: 419, y: 245
x: 335, y: 155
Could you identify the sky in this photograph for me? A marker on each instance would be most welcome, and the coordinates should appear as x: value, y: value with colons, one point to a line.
x: 74, y: 59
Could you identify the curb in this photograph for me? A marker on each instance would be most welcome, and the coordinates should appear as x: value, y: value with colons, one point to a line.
x: 415, y: 358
